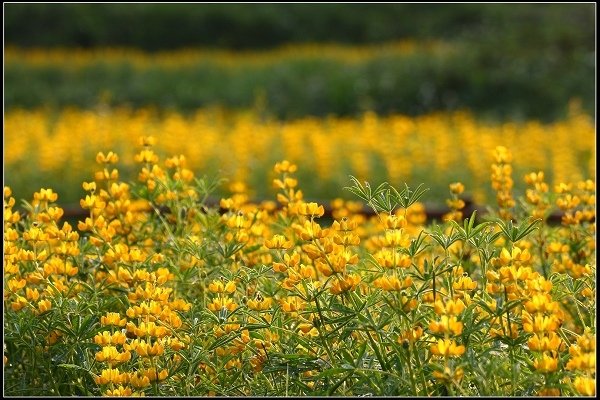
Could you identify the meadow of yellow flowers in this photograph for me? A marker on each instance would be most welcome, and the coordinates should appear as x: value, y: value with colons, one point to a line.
x: 57, y: 148
x: 157, y: 293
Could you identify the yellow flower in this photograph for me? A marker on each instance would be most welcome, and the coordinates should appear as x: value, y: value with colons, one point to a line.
x: 307, y: 329
x: 396, y: 238
x: 392, y: 283
x: 110, y: 158
x: 447, y: 348
x: 309, y: 230
x: 452, y: 307
x: 119, y: 392
x: 18, y: 303
x: 344, y: 284
x: 220, y: 304
x: 16, y: 284
x: 147, y: 141
x: 539, y: 323
x: 110, y: 375
x: 411, y: 335
x: 45, y: 195
x: 549, y: 392
x: 278, y: 242
x: 394, y: 221
x: 583, y: 362
x: 285, y: 166
x: 259, y: 304
x: 139, y: 381
x: 546, y: 363
x: 153, y: 376
x: 105, y: 338
x: 464, y: 283
x: 110, y: 354
x: 44, y: 305
x: 545, y: 342
x: 113, y: 319
x: 292, y: 304
x: 457, y: 188
x: 586, y: 386
x: 447, y: 325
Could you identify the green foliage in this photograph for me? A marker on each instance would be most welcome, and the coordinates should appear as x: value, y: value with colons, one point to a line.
x: 267, y: 25
x: 291, y: 87
x: 518, y: 60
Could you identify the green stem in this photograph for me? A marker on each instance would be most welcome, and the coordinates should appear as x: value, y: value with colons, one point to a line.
x: 321, y: 336
x: 410, y: 371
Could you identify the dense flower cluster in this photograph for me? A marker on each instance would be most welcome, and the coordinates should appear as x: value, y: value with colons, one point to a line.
x: 156, y: 293
x: 244, y: 145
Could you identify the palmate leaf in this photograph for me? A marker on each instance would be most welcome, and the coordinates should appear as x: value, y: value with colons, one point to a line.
x: 408, y: 197
x: 364, y: 192
x: 513, y: 232
x: 386, y: 197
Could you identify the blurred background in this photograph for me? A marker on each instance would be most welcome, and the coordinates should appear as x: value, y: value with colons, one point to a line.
x: 416, y: 93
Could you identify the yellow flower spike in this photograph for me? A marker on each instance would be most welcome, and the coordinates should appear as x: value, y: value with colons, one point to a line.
x: 464, y: 283
x: 110, y: 354
x: 447, y: 325
x: 18, y: 303
x: 110, y: 158
x: 46, y: 196
x: 278, y: 242
x: 112, y: 318
x: 15, y: 285
x: 120, y: 391
x: 447, y: 348
x: 546, y: 363
x: 110, y: 375
x: 139, y: 381
x: 452, y: 307
x: 411, y: 335
x: 585, y: 386
x: 539, y: 323
x: 583, y: 362
x: 292, y: 304
x: 311, y: 209
x: 44, y: 305
x: 147, y: 141
x: 549, y: 341
x: 154, y: 376
x: 396, y: 238
x: 226, y: 303
x: 285, y: 166
x: 457, y: 188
